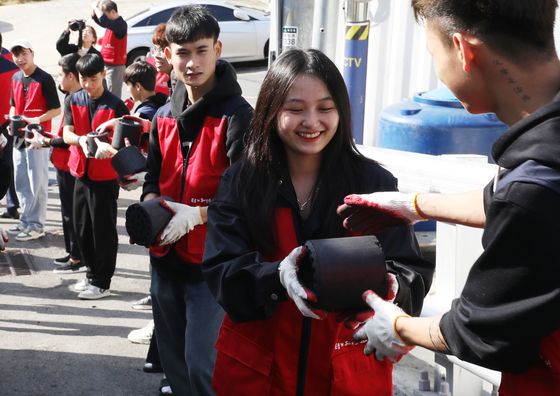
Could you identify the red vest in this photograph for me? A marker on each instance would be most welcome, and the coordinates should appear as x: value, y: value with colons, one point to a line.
x: 543, y: 378
x: 206, y: 163
x: 60, y: 156
x: 161, y: 78
x: 7, y: 70
x: 97, y: 170
x: 261, y: 357
x: 32, y: 106
x: 113, y: 49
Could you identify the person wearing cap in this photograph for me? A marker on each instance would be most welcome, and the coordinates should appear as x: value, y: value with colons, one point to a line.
x: 33, y: 96
x: 113, y: 44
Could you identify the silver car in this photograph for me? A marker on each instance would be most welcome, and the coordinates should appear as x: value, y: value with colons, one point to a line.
x: 244, y: 31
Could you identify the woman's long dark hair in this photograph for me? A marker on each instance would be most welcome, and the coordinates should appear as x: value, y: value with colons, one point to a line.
x: 264, y: 159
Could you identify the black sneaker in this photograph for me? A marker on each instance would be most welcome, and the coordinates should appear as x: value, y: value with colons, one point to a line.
x: 10, y: 214
x: 62, y: 260
x: 70, y: 268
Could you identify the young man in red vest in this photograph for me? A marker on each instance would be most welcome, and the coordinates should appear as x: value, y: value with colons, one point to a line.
x: 96, y: 189
x: 34, y: 97
x: 113, y: 43
x: 194, y: 138
x: 496, y: 56
x: 68, y: 83
x: 7, y: 69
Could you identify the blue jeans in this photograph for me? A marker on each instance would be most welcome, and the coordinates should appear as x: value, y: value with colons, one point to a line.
x: 31, y: 174
x: 187, y: 320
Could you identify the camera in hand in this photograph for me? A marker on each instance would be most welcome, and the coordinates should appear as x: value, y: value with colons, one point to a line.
x: 76, y: 24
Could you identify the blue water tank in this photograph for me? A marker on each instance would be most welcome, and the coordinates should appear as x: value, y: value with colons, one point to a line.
x: 435, y: 122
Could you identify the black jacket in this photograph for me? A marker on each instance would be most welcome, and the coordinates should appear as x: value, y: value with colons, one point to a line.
x: 241, y: 279
x: 64, y: 47
x: 512, y: 296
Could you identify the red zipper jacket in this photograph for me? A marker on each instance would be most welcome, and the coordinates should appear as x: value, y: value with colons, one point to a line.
x: 190, y: 149
x: 264, y: 337
x: 34, y: 104
x: 80, y: 166
x: 7, y: 70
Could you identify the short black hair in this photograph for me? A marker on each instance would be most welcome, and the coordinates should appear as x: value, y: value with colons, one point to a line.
x: 191, y: 23
x: 108, y: 5
x: 68, y: 63
x: 0, y: 40
x: 141, y: 72
x: 513, y: 28
x: 90, y: 64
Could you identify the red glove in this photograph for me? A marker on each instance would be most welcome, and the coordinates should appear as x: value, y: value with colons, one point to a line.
x: 376, y: 212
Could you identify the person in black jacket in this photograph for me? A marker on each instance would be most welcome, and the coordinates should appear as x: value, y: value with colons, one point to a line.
x: 299, y: 163
x: 193, y: 139
x: 506, y: 317
x: 140, y: 78
x: 87, y: 38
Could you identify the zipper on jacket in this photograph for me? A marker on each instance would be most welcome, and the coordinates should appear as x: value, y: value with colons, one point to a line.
x: 186, y: 149
x: 303, y: 354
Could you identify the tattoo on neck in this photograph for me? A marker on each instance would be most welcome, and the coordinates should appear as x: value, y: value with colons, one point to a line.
x: 516, y: 87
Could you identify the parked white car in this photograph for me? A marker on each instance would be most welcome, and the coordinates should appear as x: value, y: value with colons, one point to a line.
x: 244, y: 31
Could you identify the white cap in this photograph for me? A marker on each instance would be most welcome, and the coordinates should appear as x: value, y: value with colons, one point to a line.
x: 21, y: 43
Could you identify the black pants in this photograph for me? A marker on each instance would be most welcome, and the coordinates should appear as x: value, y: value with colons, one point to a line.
x: 66, y: 193
x: 95, y: 224
x: 7, y: 154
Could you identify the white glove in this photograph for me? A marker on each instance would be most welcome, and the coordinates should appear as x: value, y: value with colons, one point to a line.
x: 108, y: 126
x: 37, y: 142
x: 82, y: 142
x: 400, y: 204
x: 288, y: 269
x: 376, y: 212
x: 3, y: 141
x: 379, y: 330
x: 104, y: 150
x: 3, y: 239
x: 185, y: 219
x: 132, y: 182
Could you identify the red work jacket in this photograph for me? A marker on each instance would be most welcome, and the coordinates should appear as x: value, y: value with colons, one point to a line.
x: 543, y: 378
x: 199, y: 181
x: 59, y: 155
x: 260, y: 357
x: 113, y: 49
x: 161, y: 78
x: 34, y: 105
x: 95, y: 169
x: 7, y: 70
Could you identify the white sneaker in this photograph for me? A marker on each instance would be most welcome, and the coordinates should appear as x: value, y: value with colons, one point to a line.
x: 16, y: 229
x: 143, y: 335
x: 143, y: 303
x: 94, y: 293
x: 30, y: 234
x: 81, y: 285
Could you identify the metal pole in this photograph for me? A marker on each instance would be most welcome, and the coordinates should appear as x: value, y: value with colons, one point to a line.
x: 355, y: 61
x: 320, y: 11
